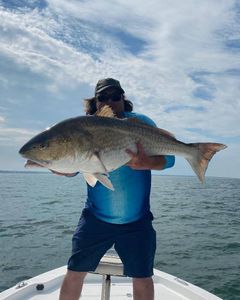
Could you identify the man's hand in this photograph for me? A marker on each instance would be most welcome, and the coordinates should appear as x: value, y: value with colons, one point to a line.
x: 141, y: 161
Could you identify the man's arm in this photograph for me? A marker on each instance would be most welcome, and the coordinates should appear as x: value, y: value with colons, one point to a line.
x: 140, y: 161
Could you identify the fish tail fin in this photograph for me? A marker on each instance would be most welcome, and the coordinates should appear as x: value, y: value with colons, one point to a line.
x: 203, y: 154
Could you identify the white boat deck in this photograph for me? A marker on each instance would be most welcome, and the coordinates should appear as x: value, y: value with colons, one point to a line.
x: 47, y: 285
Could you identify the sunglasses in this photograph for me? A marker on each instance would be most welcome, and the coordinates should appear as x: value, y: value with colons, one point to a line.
x: 115, y: 96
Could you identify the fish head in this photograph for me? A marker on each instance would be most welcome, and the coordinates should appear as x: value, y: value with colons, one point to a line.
x: 47, y: 147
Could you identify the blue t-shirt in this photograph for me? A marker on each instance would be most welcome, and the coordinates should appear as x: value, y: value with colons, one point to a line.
x: 130, y: 200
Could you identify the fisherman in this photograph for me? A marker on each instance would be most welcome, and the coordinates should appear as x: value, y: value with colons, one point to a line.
x: 120, y: 218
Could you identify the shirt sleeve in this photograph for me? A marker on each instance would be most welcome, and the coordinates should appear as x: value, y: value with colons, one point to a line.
x: 170, y: 161
x: 146, y: 120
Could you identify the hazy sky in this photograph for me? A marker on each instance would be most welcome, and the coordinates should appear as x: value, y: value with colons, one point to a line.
x: 178, y: 61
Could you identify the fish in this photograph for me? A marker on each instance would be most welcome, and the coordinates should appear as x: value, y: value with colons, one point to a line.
x: 96, y: 145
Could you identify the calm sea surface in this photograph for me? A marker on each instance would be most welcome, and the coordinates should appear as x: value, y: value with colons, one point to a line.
x: 198, y: 227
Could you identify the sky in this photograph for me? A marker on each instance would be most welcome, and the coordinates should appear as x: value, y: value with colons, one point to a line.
x: 178, y: 61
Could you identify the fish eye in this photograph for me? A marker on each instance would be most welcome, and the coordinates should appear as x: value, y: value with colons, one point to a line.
x: 42, y: 146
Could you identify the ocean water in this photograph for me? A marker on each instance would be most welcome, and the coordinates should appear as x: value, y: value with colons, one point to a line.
x: 198, y: 227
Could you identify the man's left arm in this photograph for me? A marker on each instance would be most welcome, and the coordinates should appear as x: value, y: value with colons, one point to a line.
x: 141, y: 161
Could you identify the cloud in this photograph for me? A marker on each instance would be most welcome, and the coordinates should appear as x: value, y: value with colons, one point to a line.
x: 35, y: 49
x: 178, y: 61
x: 15, y: 136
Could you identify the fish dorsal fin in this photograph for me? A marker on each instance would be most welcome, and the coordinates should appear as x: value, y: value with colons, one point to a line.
x: 106, y: 111
x: 142, y: 123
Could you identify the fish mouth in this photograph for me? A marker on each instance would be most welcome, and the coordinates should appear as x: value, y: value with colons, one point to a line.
x: 26, y: 152
x: 35, y: 163
x: 31, y: 161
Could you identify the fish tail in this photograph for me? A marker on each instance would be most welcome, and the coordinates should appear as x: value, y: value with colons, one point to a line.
x: 203, y: 154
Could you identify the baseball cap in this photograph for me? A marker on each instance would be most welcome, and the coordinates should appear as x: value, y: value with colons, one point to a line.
x: 106, y: 83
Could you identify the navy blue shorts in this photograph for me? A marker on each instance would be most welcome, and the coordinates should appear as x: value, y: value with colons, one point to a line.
x: 134, y: 242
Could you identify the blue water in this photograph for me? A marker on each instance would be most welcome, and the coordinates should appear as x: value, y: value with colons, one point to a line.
x: 198, y: 227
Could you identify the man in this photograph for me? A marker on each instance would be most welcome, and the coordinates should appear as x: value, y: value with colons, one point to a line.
x: 121, y: 218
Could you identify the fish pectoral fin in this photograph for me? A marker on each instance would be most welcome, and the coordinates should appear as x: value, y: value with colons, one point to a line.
x: 100, y: 167
x: 104, y: 181
x: 90, y: 179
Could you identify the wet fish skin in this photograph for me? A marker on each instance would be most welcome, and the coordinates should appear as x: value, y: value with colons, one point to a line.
x: 96, y: 145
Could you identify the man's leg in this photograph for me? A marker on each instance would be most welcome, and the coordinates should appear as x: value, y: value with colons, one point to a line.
x: 90, y: 242
x: 72, y: 285
x: 143, y: 288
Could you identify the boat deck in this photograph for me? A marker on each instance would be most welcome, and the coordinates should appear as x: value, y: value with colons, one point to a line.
x: 107, y: 282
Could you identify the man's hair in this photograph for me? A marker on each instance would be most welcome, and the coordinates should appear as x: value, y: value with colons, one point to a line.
x: 91, y: 108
